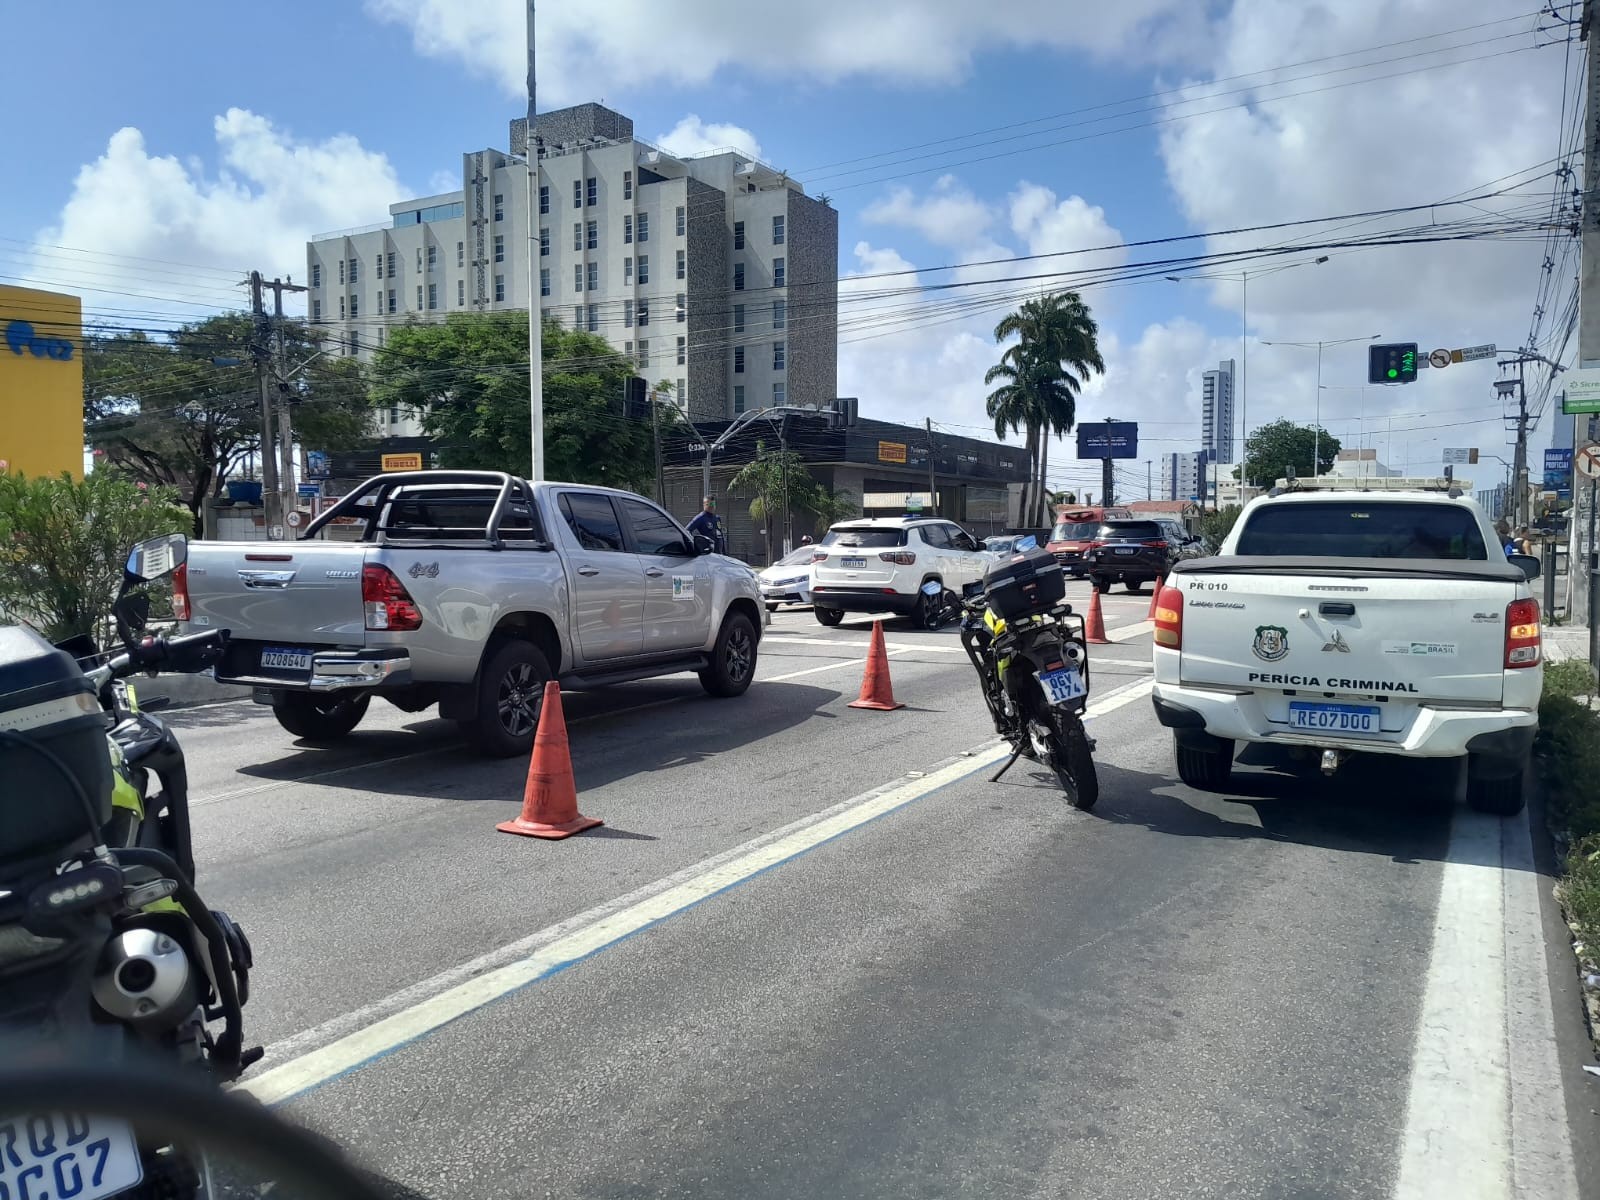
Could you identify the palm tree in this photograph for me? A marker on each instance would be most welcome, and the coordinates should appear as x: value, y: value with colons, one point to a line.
x: 1056, y: 352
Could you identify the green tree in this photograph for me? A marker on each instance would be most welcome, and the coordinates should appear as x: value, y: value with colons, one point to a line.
x: 63, y: 543
x: 466, y: 377
x: 1272, y: 448
x: 1216, y: 524
x: 184, y: 410
x: 778, y: 475
x: 1040, y: 378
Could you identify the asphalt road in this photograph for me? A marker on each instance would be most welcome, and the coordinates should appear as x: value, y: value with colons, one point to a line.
x: 814, y: 952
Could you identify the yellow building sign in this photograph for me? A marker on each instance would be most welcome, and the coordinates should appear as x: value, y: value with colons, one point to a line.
x: 402, y: 462
x: 892, y: 452
x: 41, y: 382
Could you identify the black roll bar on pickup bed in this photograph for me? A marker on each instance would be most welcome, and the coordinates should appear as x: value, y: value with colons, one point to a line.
x: 380, y: 487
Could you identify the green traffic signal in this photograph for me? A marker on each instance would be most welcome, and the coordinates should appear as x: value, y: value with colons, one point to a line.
x: 1393, y: 374
x: 1395, y: 362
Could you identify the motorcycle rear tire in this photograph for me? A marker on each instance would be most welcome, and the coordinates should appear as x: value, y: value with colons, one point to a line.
x: 1063, y: 746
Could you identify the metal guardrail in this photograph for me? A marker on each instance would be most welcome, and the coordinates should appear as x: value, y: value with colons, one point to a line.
x: 354, y: 231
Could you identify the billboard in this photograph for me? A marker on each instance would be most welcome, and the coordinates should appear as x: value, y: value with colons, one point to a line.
x: 41, y: 382
x: 1108, y: 439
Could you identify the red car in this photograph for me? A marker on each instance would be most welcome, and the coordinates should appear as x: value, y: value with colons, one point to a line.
x: 1075, y: 529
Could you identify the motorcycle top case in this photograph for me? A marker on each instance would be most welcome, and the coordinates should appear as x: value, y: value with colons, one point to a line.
x: 45, y: 698
x: 1025, y: 584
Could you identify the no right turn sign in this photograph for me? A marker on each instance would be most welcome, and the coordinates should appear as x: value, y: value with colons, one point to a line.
x: 1587, y: 461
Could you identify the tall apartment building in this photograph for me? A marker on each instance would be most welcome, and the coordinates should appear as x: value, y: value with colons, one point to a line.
x: 1181, y: 475
x: 1216, y: 407
x: 716, y: 272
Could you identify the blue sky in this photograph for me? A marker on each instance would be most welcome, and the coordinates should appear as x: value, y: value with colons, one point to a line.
x: 393, y: 91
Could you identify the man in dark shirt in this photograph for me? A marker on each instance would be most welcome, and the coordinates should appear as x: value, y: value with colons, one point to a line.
x: 707, y: 523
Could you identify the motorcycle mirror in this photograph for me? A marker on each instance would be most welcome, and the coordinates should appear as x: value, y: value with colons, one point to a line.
x: 96, y: 1130
x: 157, y: 557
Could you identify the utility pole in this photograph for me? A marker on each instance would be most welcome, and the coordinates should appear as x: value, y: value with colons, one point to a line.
x: 1107, y: 491
x: 1586, y: 594
x: 535, y: 322
x: 1519, y: 463
x: 286, y: 469
x: 260, y: 350
x: 783, y: 475
x: 933, y: 487
x: 1149, y: 487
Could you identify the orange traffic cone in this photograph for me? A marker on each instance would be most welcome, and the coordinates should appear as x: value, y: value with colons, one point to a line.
x: 1155, y: 594
x: 550, y: 800
x: 875, y: 690
x: 1094, y: 627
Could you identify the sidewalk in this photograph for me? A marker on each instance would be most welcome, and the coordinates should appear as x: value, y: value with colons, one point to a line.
x: 1563, y: 642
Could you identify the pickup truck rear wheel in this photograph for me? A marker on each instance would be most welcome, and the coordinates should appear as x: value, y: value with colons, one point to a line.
x: 1205, y: 770
x: 510, y: 694
x: 1499, y: 795
x: 733, y: 658
x: 319, y: 718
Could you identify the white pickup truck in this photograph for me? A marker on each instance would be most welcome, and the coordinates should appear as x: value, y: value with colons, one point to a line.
x: 469, y: 590
x: 1354, y: 622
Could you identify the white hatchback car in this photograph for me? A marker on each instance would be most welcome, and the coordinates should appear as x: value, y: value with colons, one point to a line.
x: 902, y: 565
x: 788, y: 581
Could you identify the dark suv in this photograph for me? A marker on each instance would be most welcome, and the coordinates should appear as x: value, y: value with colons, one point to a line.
x: 1132, y: 552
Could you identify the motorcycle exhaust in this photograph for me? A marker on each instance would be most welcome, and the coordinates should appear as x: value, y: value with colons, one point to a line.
x: 145, y: 980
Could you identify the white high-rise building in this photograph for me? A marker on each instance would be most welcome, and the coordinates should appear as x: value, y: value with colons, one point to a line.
x: 1216, y: 407
x: 716, y: 272
x: 1181, y: 475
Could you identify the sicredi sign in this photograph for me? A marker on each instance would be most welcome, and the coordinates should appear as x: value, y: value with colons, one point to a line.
x: 41, y: 382
x: 1583, y: 391
x: 23, y: 338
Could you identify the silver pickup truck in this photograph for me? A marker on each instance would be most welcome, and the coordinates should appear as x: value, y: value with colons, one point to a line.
x: 469, y: 590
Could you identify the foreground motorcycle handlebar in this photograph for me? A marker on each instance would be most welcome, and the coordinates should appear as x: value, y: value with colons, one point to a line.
x: 185, y: 655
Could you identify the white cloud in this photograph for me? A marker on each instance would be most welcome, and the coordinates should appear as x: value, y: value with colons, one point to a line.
x: 692, y: 136
x: 609, y: 45
x: 442, y: 181
x: 194, y: 232
x: 949, y: 216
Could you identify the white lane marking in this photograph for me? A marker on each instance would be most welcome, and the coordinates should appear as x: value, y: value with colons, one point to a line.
x: 855, y: 645
x: 384, y: 1027
x: 1456, y: 1143
x: 1541, y: 1147
x: 1124, y: 633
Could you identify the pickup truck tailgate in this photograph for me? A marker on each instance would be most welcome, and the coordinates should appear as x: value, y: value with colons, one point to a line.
x: 294, y: 593
x: 1425, y: 639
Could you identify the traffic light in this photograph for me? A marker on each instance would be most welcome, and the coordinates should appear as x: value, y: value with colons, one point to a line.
x: 636, y: 405
x: 1394, y: 363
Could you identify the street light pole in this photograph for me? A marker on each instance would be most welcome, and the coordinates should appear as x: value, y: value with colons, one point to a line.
x: 535, y: 330
x: 1244, y: 380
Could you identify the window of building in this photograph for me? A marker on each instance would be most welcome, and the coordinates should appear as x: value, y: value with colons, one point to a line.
x: 316, y: 310
x: 644, y: 268
x: 683, y: 389
x: 577, y: 277
x: 627, y: 270
x: 499, y: 207
x: 627, y: 314
x: 390, y: 257
x: 627, y: 348
x: 377, y: 301
x: 644, y: 227
x: 341, y: 308
x: 627, y: 230
x: 738, y: 398
x: 779, y: 275
x: 682, y: 307
x: 544, y: 281
x: 780, y: 314
x: 394, y: 415
x: 433, y: 295
x: 738, y: 277
x: 594, y: 318
x: 461, y: 293
x: 499, y: 289
x: 591, y: 190
x: 355, y: 271
x: 593, y: 271
x: 777, y: 230
x: 577, y: 193
x: 779, y: 392
x: 683, y: 265
x: 777, y: 356
x: 683, y: 351
x: 644, y: 353
x: 316, y: 274
x: 461, y: 254
x: 591, y: 234
x: 738, y: 235
x: 377, y: 266
x: 627, y: 185
x: 392, y: 306
x: 500, y: 247
x: 419, y: 263
x: 644, y: 313
x: 738, y: 360
x: 544, y: 199
x: 544, y: 241
x: 577, y: 316
x: 355, y: 306
x: 738, y: 318
x: 433, y: 257
x: 341, y: 272
x: 419, y: 297
x: 577, y: 235
x: 683, y: 220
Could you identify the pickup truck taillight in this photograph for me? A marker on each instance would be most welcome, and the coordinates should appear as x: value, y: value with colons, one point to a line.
x: 180, y: 592
x: 388, y: 605
x: 900, y: 558
x: 1522, y: 634
x: 1169, y: 618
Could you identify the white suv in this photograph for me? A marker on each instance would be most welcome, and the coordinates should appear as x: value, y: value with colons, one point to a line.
x: 898, y: 565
